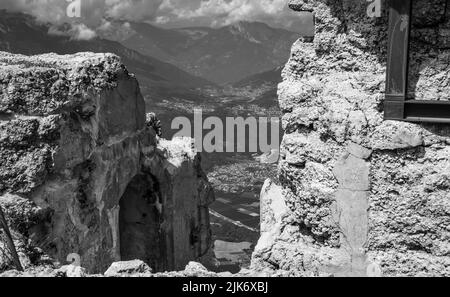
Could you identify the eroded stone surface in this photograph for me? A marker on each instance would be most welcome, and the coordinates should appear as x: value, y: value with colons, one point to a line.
x: 128, y: 268
x: 352, y: 173
x: 134, y: 268
x: 74, y: 140
x: 364, y: 196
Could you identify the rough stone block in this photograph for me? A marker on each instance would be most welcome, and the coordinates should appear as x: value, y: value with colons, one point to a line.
x: 74, y: 145
x: 352, y: 173
x: 128, y: 268
x: 352, y: 217
x: 359, y: 151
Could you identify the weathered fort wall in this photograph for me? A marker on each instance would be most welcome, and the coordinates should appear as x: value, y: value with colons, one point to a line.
x: 359, y: 195
x: 82, y: 171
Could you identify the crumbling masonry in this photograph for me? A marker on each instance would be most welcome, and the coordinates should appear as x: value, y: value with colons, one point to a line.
x: 359, y: 195
x: 81, y: 173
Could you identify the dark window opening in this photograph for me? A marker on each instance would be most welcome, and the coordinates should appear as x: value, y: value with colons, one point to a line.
x: 398, y: 104
x: 139, y: 224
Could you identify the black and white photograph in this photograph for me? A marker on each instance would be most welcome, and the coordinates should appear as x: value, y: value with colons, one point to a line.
x: 224, y: 139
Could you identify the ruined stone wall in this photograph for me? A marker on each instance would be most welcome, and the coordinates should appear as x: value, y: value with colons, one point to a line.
x: 359, y: 195
x: 73, y: 143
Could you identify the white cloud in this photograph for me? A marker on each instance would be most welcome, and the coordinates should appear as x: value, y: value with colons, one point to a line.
x: 224, y: 12
x: 44, y: 10
x: 135, y: 10
x: 82, y: 32
x: 92, y: 13
x: 169, y: 13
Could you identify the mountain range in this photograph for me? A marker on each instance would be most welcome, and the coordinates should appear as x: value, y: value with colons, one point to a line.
x: 223, y: 55
x: 170, y: 63
x: 20, y: 33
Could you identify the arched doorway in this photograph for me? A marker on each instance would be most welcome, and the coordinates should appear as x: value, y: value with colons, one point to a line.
x: 139, y: 223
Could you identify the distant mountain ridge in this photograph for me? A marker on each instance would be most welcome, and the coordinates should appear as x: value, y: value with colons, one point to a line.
x: 19, y: 33
x: 223, y: 55
x: 237, y: 51
x: 272, y: 77
x: 261, y: 88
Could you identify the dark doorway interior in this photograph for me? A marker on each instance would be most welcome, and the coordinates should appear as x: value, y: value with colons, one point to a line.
x: 139, y: 224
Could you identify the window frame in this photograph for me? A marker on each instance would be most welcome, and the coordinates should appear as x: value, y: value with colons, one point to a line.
x: 397, y: 105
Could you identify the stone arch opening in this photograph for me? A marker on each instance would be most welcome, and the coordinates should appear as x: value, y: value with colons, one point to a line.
x: 140, y: 222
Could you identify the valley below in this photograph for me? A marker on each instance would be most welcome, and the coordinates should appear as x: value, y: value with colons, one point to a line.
x: 237, y: 178
x: 225, y: 72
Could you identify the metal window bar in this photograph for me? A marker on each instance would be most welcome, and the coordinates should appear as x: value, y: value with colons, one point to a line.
x: 396, y: 105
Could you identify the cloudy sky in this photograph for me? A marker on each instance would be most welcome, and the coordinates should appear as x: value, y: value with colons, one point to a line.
x: 165, y: 13
x: 224, y: 12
